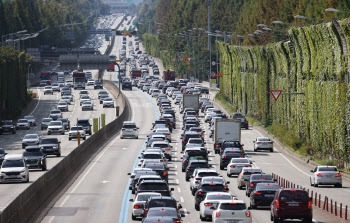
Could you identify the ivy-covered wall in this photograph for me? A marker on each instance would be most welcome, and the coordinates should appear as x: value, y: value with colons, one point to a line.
x: 311, y: 62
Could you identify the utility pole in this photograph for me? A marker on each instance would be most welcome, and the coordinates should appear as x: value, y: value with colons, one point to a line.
x: 188, y: 50
x: 209, y: 40
x: 217, y: 64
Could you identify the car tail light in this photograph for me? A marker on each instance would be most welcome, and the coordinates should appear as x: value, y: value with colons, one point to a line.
x: 123, y: 129
x: 167, y: 148
x: 257, y: 193
x: 216, y: 145
x: 217, y: 214
x: 226, y: 187
x: 247, y: 214
x: 319, y: 175
x: 258, y: 142
x: 208, y: 204
x: 278, y: 204
x: 145, y: 212
x: 199, y: 192
x: 242, y: 174
x: 270, y: 142
x: 202, y: 145
x: 224, y: 157
x: 338, y: 175
x: 137, y: 206
x: 251, y: 185
x: 177, y: 221
x: 184, y: 140
x: 309, y: 204
x: 198, y: 178
x: 245, y: 122
x: 232, y: 166
x: 249, y: 166
x: 165, y: 173
x: 168, y: 134
x: 196, y: 115
x: 135, y: 129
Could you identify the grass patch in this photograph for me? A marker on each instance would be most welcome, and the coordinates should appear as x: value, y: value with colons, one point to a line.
x: 223, y: 100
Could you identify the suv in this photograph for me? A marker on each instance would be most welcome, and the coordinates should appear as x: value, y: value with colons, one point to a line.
x: 227, y: 155
x: 161, y: 201
x: 291, y: 204
x: 50, y: 146
x: 194, y: 164
x: 232, y: 211
x: 98, y: 85
x: 45, y: 123
x: 14, y: 169
x: 207, y: 186
x: 193, y: 154
x: 129, y: 129
x: 255, y: 179
x: 86, y: 125
x: 227, y: 144
x: 244, y: 121
x: 7, y: 126
x: 187, y: 136
x: 55, y: 114
x: 65, y: 122
x: 244, y: 176
x: 73, y: 133
x: 263, y: 194
x: 30, y: 139
x: 126, y: 84
x: 158, y: 186
x: 55, y: 127
x: 35, y: 158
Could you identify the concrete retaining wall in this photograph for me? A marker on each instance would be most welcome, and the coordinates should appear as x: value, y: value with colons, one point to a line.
x: 22, y: 208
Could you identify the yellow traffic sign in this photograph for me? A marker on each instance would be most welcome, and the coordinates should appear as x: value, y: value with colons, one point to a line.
x: 188, y: 67
x: 118, y: 61
x: 219, y: 74
x: 185, y: 59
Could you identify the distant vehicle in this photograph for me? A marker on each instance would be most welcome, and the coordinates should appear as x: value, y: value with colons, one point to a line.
x: 86, y: 125
x: 79, y: 80
x: 232, y: 211
x: 51, y: 146
x: 168, y: 75
x: 46, y: 76
x: 30, y: 139
x: 263, y: 143
x: 23, y: 124
x: 129, y: 129
x: 7, y: 126
x: 55, y: 127
x: 14, y: 169
x: 111, y: 67
x: 98, y: 85
x: 48, y: 90
x: 73, y: 133
x: 35, y: 158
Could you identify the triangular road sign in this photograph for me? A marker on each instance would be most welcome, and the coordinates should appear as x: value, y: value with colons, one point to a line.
x: 189, y: 59
x: 276, y: 94
x: 219, y: 74
x: 185, y: 58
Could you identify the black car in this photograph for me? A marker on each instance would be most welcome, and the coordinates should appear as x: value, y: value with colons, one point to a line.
x: 187, y: 136
x: 205, y: 90
x: 227, y: 155
x: 159, y: 168
x: 34, y: 157
x: 7, y: 126
x: 255, y: 179
x: 137, y: 177
x: 126, y: 85
x: 158, y: 186
x: 194, y: 164
x: 226, y: 144
x: 161, y: 201
x: 2, y: 155
x: 207, y: 186
x: 193, y: 152
x: 263, y: 194
x: 98, y: 85
x: 50, y: 146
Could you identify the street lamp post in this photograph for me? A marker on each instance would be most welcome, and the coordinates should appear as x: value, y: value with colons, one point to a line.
x: 335, y: 10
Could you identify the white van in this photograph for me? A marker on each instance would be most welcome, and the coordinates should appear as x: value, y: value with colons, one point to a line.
x: 14, y: 169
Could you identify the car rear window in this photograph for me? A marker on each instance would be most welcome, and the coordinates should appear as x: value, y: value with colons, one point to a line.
x: 207, y: 174
x: 321, y: 169
x: 231, y: 144
x: 197, y: 153
x: 195, y: 141
x: 266, y: 186
x: 219, y: 197
x: 162, y: 203
x: 197, y: 165
x: 129, y: 126
x: 154, y: 166
x: 293, y: 195
x: 152, y: 156
x: 264, y: 140
x: 213, y: 187
x: 153, y: 186
x: 261, y: 177
x: 188, y: 136
x: 233, y: 206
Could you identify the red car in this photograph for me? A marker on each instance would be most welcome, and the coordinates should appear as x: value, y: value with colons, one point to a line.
x: 291, y: 204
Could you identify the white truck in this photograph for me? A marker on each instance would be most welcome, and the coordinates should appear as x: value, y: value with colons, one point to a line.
x: 226, y: 130
x: 190, y: 101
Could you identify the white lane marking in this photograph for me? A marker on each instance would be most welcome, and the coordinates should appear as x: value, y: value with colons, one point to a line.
x: 85, y: 175
x: 38, y: 102
x: 175, y: 166
x: 288, y: 159
x: 177, y: 181
x: 178, y: 189
x: 176, y: 173
x: 185, y: 211
x: 182, y: 199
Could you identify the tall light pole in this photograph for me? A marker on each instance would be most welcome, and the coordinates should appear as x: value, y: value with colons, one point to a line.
x: 209, y: 40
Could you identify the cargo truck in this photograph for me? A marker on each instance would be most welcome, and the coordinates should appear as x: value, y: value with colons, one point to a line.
x: 190, y: 101
x: 169, y: 75
x: 79, y: 80
x: 136, y: 73
x: 226, y: 130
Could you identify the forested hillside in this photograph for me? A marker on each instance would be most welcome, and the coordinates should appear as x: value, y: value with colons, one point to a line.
x: 34, y: 16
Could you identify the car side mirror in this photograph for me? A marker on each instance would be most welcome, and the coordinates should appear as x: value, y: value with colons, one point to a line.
x: 242, y: 144
x: 311, y: 171
x: 253, y: 141
x: 179, y: 206
x: 131, y: 200
x: 274, y: 180
x: 228, y: 182
x: 172, y: 189
x: 249, y: 208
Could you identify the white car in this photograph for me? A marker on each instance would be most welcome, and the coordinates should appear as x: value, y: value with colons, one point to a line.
x: 67, y: 99
x: 48, y: 90
x: 62, y: 106
x: 14, y: 169
x: 73, y: 132
x: 155, y: 93
x: 232, y: 211
x: 236, y: 164
x: 55, y: 127
x: 164, y: 131
x: 326, y: 175
x: 211, y: 200
x: 30, y: 139
x: 91, y: 82
x: 195, y: 142
x: 166, y: 148
x: 178, y: 99
x: 208, y: 116
x: 55, y: 114
x: 23, y: 124
x: 139, y: 202
x: 197, y: 177
x: 61, y: 83
x: 146, y: 87
x: 244, y: 175
x: 55, y: 87
x: 129, y: 129
x: 263, y: 143
x: 108, y: 102
x: 84, y: 98
x: 87, y: 105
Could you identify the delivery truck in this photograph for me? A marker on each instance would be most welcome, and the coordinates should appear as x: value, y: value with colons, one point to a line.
x: 226, y: 130
x: 79, y: 80
x: 169, y: 75
x: 190, y: 101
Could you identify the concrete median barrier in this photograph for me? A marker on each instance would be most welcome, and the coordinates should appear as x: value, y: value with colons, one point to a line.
x: 25, y: 205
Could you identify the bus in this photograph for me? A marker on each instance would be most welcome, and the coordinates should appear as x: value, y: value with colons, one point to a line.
x: 46, y: 76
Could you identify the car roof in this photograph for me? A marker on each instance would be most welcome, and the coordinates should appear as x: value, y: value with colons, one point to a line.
x: 13, y: 157
x: 233, y: 201
x: 213, y: 182
x: 191, y: 132
x: 198, y: 161
x: 153, y: 181
x: 206, y: 170
x: 216, y: 193
x: 128, y: 122
x: 162, y: 198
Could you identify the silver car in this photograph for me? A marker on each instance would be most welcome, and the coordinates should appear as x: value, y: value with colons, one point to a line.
x: 326, y: 175
x: 87, y: 105
x: 45, y: 122
x: 263, y: 143
x: 140, y: 200
x: 55, y: 114
x: 55, y: 127
x: 73, y: 133
x: 48, y: 90
x: 23, y: 124
x: 62, y: 106
x: 30, y: 119
x: 30, y: 140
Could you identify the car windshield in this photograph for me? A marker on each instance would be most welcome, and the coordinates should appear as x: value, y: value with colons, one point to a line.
x: 328, y: 168
x: 293, y: 195
x: 76, y: 128
x: 49, y: 141
x: 266, y: 186
x: 108, y: 99
x: 144, y: 197
x: 232, y: 206
x: 213, y: 187
x: 153, y: 186
x: 36, y: 153
x: 83, y: 123
x: 152, y: 156
x: 65, y: 97
x: 47, y: 119
x: 260, y: 177
x: 10, y: 163
x: 85, y: 97
x: 86, y: 102
x: 56, y: 123
x: 30, y: 136
x: 195, y: 141
x: 28, y: 117
x: 62, y: 103
x: 162, y: 212
x: 162, y: 203
x: 219, y: 197
x: 7, y: 122
x: 22, y: 121
x: 55, y: 112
